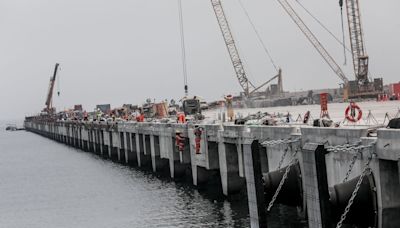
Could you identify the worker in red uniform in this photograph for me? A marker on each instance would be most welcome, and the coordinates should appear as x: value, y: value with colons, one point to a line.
x: 179, y: 141
x: 181, y: 118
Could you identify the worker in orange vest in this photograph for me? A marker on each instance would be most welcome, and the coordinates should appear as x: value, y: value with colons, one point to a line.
x: 179, y: 141
x: 181, y: 118
x: 197, y: 132
x: 229, y: 107
x: 140, y: 117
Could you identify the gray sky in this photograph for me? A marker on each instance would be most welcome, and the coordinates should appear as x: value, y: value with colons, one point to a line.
x: 125, y: 51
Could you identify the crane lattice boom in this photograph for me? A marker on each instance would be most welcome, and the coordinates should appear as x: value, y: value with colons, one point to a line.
x: 49, y: 97
x: 360, y: 58
x: 231, y: 46
x: 314, y: 41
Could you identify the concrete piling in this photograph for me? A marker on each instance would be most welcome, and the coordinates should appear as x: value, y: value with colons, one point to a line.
x: 237, y: 159
x: 255, y: 188
x: 315, y: 186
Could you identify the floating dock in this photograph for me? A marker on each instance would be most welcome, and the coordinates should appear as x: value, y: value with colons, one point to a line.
x: 333, y: 176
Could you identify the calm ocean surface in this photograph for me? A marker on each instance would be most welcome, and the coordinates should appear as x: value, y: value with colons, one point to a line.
x: 47, y: 184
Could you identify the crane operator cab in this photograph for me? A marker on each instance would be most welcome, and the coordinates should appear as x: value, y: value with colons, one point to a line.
x: 192, y: 108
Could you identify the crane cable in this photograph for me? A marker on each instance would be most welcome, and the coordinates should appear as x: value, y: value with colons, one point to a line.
x: 344, y: 46
x: 58, y: 81
x: 258, y: 36
x: 323, y: 26
x: 181, y: 27
x: 346, y: 49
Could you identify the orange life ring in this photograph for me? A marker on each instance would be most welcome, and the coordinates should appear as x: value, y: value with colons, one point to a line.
x: 349, y: 116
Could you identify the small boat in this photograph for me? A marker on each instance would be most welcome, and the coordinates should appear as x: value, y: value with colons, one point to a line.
x: 13, y: 127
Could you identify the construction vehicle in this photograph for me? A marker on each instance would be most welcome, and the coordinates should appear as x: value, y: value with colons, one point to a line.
x: 248, y: 87
x: 191, y: 106
x: 191, y: 109
x: 152, y: 110
x: 49, y: 109
x: 148, y: 109
x: 104, y: 108
x: 362, y: 86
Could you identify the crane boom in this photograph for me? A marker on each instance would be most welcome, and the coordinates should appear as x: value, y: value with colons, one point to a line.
x: 314, y: 41
x: 360, y: 57
x: 278, y: 76
x: 248, y: 87
x: 231, y: 46
x: 49, y: 98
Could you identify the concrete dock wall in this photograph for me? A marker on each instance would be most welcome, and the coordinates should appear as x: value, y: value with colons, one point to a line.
x: 229, y: 157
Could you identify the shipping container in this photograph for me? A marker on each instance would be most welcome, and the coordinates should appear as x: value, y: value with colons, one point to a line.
x: 394, y: 89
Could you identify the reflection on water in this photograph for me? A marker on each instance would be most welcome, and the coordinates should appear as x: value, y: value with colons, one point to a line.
x: 47, y: 184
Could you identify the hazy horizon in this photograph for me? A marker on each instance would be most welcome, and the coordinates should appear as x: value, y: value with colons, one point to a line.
x: 128, y: 50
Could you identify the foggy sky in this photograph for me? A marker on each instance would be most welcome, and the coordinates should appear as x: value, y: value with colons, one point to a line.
x: 125, y: 51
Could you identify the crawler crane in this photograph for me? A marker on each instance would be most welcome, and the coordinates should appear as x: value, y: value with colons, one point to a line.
x: 362, y: 86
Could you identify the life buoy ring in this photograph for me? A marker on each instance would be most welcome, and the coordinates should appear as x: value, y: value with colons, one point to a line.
x: 350, y: 113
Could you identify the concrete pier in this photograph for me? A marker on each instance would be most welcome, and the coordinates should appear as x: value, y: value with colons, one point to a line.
x: 247, y: 159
